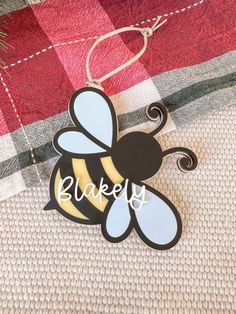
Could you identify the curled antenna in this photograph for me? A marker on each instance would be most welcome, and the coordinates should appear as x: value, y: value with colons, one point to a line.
x: 187, y: 160
x: 156, y: 111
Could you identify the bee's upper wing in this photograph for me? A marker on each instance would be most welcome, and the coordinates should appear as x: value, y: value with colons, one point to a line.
x: 93, y: 112
x: 75, y: 142
x: 157, y: 222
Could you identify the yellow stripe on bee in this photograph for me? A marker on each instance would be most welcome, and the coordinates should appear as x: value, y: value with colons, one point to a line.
x: 110, y: 170
x: 66, y: 205
x: 84, y: 182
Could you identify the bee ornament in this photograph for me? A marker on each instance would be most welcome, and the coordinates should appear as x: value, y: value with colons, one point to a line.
x: 91, y: 153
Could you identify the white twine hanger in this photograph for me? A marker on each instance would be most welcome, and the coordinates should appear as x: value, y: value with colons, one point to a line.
x: 146, y: 32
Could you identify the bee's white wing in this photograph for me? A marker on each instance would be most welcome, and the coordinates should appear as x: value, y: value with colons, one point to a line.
x: 77, y: 143
x: 116, y: 226
x: 92, y: 110
x: 157, y: 222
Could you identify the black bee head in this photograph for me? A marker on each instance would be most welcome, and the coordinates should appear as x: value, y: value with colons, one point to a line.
x: 137, y: 156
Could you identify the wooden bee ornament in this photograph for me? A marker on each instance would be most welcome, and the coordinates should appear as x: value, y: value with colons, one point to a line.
x: 91, y: 154
x: 98, y: 177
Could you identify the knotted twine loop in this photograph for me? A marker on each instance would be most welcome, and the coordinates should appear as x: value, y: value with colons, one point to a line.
x: 146, y: 32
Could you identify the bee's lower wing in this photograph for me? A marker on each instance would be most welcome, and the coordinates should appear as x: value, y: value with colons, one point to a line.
x: 72, y: 141
x: 116, y: 225
x: 157, y: 222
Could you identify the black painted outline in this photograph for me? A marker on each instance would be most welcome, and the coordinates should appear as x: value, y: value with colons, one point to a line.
x: 133, y: 221
x: 104, y: 229
x: 175, y: 212
x: 63, y: 152
x: 112, y: 110
x: 78, y: 127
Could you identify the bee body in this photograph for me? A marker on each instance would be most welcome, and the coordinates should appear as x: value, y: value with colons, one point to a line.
x: 82, y: 173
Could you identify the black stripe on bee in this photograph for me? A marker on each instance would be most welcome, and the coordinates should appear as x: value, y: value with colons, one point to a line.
x: 97, y: 172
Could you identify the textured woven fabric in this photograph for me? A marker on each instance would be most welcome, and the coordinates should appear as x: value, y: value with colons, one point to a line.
x: 51, y: 265
x: 189, y: 64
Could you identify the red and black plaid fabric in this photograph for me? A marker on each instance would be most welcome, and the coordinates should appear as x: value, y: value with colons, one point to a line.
x: 189, y: 64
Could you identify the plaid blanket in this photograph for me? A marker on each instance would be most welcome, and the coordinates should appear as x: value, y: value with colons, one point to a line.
x: 189, y: 65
